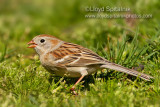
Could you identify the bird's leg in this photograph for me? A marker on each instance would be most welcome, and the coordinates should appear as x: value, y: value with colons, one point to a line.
x: 73, y: 88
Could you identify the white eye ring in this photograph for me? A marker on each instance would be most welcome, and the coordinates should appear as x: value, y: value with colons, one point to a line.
x: 42, y: 40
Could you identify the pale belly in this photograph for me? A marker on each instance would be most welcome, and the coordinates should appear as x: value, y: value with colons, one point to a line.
x: 71, y: 71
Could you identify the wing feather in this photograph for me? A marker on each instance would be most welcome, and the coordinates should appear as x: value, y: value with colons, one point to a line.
x: 76, y: 55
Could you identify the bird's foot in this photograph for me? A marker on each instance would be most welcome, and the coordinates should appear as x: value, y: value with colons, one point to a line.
x: 73, y: 91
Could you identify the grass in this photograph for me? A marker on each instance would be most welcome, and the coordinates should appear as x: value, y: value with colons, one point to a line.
x: 133, y: 43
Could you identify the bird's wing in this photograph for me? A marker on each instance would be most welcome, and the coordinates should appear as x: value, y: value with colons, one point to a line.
x: 69, y: 54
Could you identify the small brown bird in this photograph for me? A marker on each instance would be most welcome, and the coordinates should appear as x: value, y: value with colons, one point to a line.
x: 72, y: 60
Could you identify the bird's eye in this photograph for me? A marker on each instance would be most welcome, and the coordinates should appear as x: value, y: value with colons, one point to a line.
x: 42, y: 40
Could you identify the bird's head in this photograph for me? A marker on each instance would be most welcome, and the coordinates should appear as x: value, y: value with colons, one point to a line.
x: 43, y: 43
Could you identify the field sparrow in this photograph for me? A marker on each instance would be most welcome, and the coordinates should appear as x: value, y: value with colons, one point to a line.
x: 72, y: 60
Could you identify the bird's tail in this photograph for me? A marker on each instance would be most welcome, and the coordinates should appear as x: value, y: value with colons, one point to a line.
x: 126, y: 70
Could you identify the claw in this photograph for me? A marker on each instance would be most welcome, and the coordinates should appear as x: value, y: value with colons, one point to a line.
x: 73, y: 91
